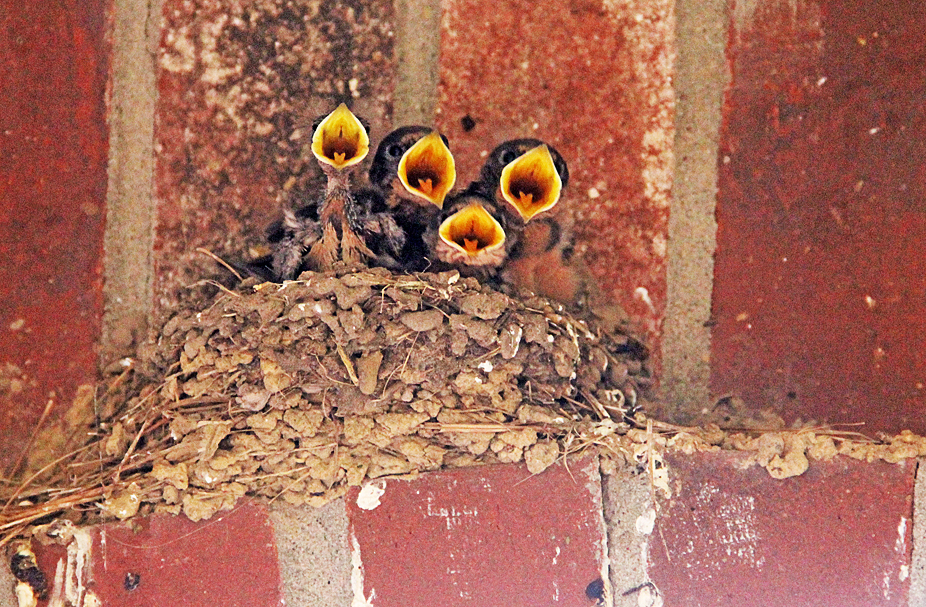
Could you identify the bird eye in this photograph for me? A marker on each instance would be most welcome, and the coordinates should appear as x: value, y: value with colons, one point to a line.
x: 508, y: 156
x: 394, y: 150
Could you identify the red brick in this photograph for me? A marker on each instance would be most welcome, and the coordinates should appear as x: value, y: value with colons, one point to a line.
x: 592, y: 79
x: 236, y: 86
x: 819, y: 276
x: 53, y: 151
x: 228, y: 561
x: 840, y: 534
x: 494, y: 535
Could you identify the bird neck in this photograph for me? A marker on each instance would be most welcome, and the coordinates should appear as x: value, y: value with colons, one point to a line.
x: 338, y: 181
x: 338, y: 204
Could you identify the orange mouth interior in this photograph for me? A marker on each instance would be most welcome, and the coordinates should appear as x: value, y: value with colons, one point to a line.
x: 530, y: 183
x: 427, y: 169
x: 340, y: 139
x: 472, y: 230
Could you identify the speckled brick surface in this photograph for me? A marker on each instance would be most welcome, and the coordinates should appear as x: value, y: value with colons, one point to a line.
x: 840, y: 534
x: 227, y: 561
x: 819, y: 277
x: 494, y: 535
x: 239, y: 86
x: 54, y: 65
x: 593, y: 79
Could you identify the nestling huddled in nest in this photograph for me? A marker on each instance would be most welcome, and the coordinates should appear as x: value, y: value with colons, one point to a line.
x: 408, y: 217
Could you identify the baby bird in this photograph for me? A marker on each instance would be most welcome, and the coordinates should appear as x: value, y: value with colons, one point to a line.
x: 412, y: 171
x: 290, y: 239
x: 541, y: 263
x: 525, y: 177
x: 469, y: 236
x: 339, y: 142
x: 385, y: 238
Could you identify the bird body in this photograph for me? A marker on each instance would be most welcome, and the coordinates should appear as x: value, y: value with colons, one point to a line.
x: 542, y: 263
x: 412, y: 173
x: 408, y: 219
x: 525, y: 179
x: 339, y: 142
x: 338, y: 217
x: 290, y: 239
x: 468, y: 235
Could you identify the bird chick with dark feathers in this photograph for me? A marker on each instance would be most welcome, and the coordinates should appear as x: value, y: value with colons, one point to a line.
x: 542, y: 263
x: 290, y: 239
x: 468, y: 235
x: 385, y: 238
x: 526, y: 177
x: 339, y: 142
x: 410, y: 176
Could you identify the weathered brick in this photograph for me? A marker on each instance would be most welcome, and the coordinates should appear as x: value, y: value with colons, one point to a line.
x: 53, y: 150
x: 169, y: 560
x: 490, y: 535
x: 819, y: 276
x: 840, y: 534
x: 239, y: 86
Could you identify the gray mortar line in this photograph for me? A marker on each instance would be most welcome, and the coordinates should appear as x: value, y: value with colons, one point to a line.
x: 417, y: 51
x: 314, y: 551
x: 917, y: 595
x: 130, y: 205
x: 701, y: 76
x: 625, y: 498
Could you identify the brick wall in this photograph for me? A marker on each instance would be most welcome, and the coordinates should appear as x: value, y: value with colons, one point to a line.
x: 748, y: 180
x: 815, y: 305
x: 53, y: 154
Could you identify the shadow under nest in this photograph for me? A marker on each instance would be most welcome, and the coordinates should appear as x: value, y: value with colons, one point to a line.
x: 300, y: 390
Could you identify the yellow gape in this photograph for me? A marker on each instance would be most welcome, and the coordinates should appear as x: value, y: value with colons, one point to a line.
x: 473, y: 234
x: 530, y: 182
x: 340, y: 139
x: 427, y: 169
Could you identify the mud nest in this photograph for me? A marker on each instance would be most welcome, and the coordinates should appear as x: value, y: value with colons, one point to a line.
x: 300, y: 390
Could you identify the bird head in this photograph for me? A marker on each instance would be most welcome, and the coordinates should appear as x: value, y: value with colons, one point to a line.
x: 470, y: 235
x: 340, y: 139
x: 427, y: 169
x: 527, y: 174
x: 418, y: 161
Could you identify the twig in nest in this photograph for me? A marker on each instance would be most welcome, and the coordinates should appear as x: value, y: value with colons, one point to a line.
x: 35, y: 433
x: 325, y: 375
x: 219, y: 260
x: 222, y: 287
x: 596, y: 405
x: 40, y: 472
x: 488, y: 355
x: 401, y: 367
x: 130, y: 450
x: 347, y: 365
x: 291, y: 485
x: 129, y: 364
x: 468, y: 428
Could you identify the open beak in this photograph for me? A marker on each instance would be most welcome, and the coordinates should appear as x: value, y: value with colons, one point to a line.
x: 340, y: 140
x: 530, y: 182
x: 472, y: 236
x: 427, y: 169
